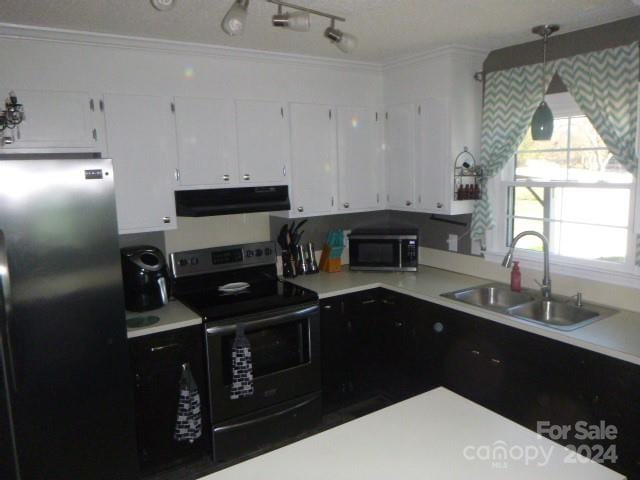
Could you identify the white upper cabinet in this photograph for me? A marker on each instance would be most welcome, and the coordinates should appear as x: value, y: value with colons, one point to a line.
x: 57, y: 120
x: 313, y: 156
x: 400, y: 156
x: 141, y: 140
x: 262, y: 142
x: 433, y: 155
x: 359, y: 158
x: 206, y: 138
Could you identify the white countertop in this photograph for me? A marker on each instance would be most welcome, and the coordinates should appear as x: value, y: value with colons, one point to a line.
x: 173, y: 315
x: 436, y: 435
x: 617, y: 336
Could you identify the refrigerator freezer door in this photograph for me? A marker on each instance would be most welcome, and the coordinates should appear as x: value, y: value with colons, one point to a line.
x: 71, y: 389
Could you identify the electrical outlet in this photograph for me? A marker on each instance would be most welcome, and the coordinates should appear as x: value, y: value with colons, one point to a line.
x: 345, y: 237
x: 452, y: 242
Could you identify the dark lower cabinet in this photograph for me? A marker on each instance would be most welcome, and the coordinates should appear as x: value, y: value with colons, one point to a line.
x: 387, y: 342
x: 158, y: 362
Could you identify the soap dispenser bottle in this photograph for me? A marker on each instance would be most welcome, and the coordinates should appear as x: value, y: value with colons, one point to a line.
x: 516, y: 278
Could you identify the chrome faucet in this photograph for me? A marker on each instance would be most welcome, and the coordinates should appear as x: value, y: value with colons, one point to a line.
x: 545, y: 288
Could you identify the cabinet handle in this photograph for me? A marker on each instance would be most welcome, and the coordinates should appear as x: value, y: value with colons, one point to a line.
x: 377, y: 198
x: 225, y: 177
x: 92, y: 105
x: 301, y: 209
x: 164, y: 347
x: 166, y: 219
x: 496, y: 361
x: 327, y: 307
x: 439, y: 205
x: 95, y: 135
x: 398, y: 324
x: 333, y: 201
x: 475, y: 352
x: 246, y: 176
x: 178, y: 174
x: 346, y: 204
x: 368, y: 302
x: 408, y: 203
x: 388, y: 302
x: 284, y: 171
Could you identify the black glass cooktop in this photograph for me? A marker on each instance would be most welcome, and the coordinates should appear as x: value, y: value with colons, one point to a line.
x: 265, y: 292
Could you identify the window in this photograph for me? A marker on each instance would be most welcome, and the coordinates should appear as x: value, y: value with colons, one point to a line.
x: 572, y: 191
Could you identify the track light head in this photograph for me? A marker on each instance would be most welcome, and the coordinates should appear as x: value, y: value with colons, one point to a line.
x: 297, y: 21
x: 163, y: 5
x: 234, y: 21
x: 344, y: 41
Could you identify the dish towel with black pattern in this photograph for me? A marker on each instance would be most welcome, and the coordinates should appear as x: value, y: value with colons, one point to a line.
x: 189, y: 417
x: 241, y: 366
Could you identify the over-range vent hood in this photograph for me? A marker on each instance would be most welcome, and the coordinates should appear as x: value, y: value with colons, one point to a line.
x: 223, y: 201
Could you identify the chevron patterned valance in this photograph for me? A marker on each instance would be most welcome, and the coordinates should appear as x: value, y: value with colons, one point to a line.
x: 603, y: 83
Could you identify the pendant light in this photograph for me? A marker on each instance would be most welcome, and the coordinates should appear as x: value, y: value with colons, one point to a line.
x: 542, y: 122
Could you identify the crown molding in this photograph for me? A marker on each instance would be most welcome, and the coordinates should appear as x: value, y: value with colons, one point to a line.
x: 406, y: 60
x: 82, y: 38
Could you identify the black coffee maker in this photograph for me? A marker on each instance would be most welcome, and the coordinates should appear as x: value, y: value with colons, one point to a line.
x: 145, y: 277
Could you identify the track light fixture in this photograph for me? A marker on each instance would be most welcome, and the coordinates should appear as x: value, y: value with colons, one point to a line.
x: 297, y: 21
x: 344, y: 41
x: 235, y: 19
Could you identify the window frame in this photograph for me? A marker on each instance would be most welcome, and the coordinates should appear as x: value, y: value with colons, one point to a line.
x: 624, y: 273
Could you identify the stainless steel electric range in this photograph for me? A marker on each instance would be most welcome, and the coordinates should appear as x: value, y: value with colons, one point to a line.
x: 238, y: 286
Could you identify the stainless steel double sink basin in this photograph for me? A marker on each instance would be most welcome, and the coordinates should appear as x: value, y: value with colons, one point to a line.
x: 529, y: 305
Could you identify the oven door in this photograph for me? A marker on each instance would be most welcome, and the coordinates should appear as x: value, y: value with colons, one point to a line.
x: 374, y: 253
x: 285, y: 354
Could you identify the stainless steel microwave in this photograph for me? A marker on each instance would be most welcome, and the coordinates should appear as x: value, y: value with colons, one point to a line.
x: 384, y: 249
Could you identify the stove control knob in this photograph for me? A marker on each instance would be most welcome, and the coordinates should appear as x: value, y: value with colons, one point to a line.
x: 183, y: 262
x: 194, y: 261
x: 268, y: 251
x: 258, y: 252
x: 249, y: 253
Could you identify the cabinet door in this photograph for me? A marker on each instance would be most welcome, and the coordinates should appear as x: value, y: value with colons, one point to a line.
x: 435, y: 167
x: 358, y: 158
x: 141, y: 142
x: 157, y: 362
x: 400, y: 156
x: 56, y: 120
x: 262, y: 142
x: 335, y: 349
x: 313, y: 158
x: 205, y: 131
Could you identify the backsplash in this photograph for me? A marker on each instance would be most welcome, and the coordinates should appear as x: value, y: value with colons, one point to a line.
x: 434, y: 229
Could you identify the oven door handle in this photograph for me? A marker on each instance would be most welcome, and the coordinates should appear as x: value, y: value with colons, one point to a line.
x: 236, y: 426
x: 265, y: 322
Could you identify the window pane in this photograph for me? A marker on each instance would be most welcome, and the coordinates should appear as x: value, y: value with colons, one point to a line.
x: 589, y: 241
x: 529, y: 242
x: 583, y: 135
x: 558, y: 140
x: 544, y: 166
x: 590, y: 166
x: 602, y: 206
x: 528, y: 202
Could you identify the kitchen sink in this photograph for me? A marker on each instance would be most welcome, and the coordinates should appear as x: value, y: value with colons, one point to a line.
x: 558, y: 312
x: 491, y: 296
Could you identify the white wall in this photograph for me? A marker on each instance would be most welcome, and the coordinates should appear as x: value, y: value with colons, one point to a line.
x: 108, y: 64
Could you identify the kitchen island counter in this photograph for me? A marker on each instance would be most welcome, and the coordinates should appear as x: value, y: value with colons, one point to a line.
x: 437, y: 435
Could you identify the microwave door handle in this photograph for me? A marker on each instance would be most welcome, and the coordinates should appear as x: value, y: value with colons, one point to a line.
x: 162, y: 283
x: 265, y: 322
x: 5, y: 311
x: 400, y: 252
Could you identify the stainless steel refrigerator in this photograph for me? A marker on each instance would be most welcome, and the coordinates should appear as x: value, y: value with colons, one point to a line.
x: 66, y: 400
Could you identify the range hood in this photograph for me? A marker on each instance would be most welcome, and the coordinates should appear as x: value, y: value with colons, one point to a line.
x: 223, y: 201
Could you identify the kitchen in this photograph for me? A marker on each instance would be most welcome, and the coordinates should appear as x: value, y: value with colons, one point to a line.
x: 212, y: 140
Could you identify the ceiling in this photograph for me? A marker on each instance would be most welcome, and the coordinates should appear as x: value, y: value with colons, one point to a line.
x: 386, y: 29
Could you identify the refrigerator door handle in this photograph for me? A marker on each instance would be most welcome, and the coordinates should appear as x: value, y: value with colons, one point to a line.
x: 5, y: 312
